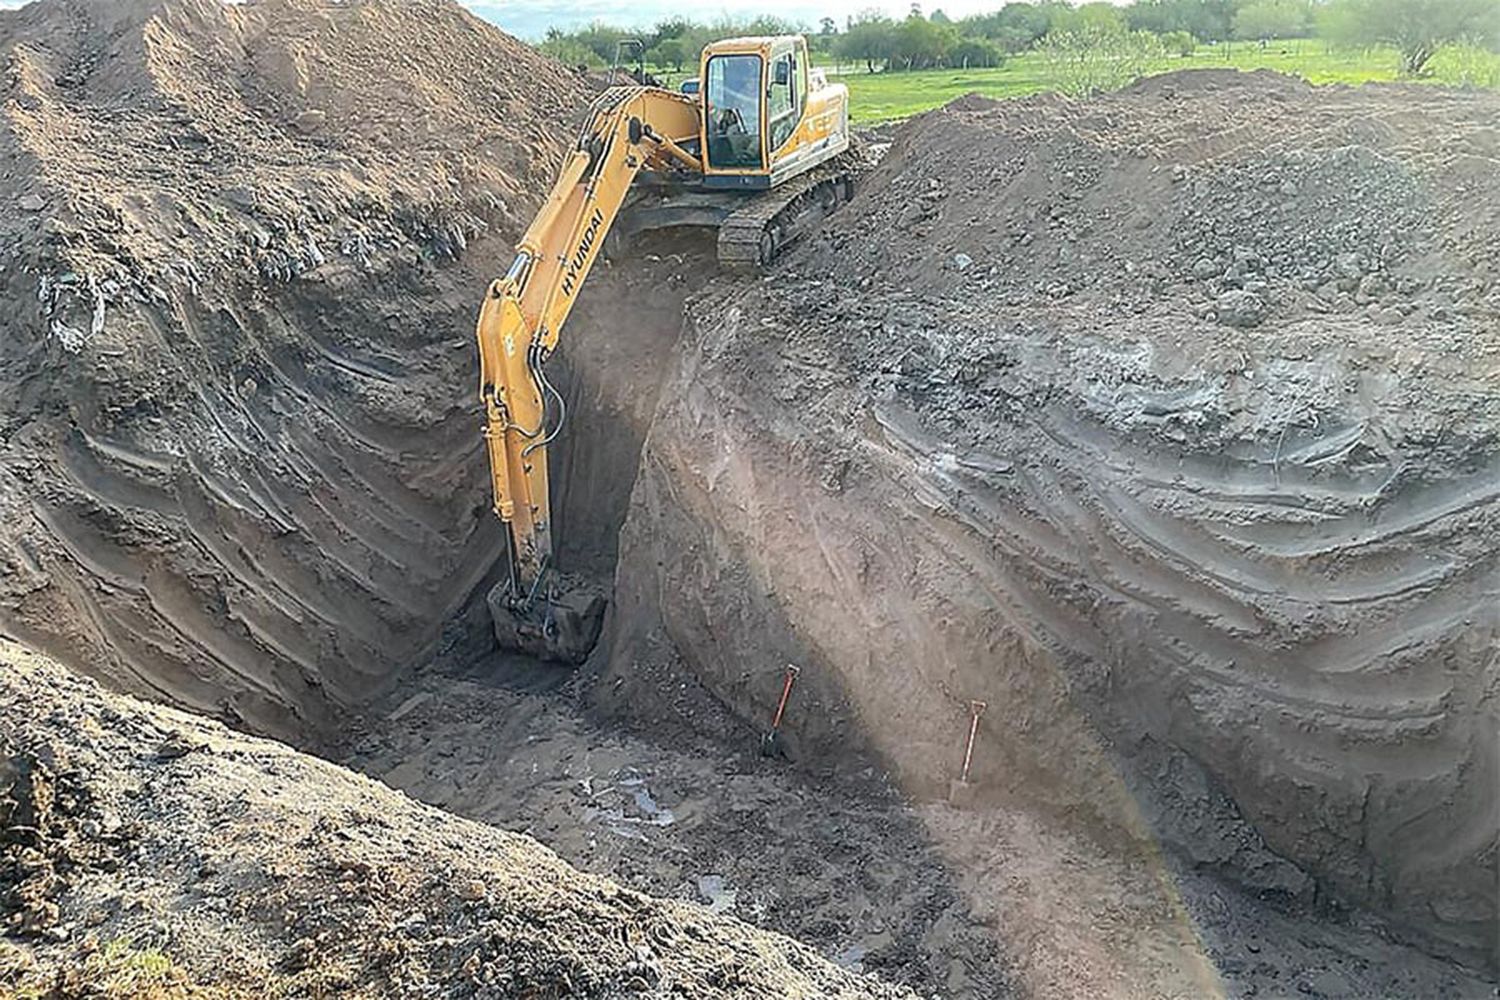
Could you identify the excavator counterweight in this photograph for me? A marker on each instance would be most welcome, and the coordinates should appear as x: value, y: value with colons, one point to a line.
x: 753, y: 144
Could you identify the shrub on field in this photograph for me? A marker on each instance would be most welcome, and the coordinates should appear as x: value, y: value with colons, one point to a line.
x: 1181, y: 43
x: 1466, y: 64
x: 1097, y: 57
x: 1419, y: 28
x: 975, y: 53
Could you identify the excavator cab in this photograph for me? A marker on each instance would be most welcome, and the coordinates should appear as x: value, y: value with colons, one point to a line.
x: 764, y: 121
x: 735, y: 113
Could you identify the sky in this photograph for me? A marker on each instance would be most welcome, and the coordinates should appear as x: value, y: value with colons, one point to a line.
x: 530, y: 18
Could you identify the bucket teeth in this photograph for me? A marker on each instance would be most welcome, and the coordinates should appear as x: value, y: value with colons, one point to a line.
x: 562, y: 628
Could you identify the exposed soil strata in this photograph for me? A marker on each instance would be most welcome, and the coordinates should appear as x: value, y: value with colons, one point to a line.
x: 1165, y: 424
x: 238, y: 461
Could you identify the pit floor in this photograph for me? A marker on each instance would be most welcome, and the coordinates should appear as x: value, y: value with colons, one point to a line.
x: 953, y: 901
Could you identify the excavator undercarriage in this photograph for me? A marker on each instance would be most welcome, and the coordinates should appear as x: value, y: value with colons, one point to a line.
x: 753, y: 230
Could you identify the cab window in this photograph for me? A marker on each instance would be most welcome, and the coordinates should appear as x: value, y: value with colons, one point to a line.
x: 732, y: 98
x: 781, y: 99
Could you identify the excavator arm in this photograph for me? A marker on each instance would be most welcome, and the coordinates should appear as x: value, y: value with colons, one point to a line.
x: 628, y: 129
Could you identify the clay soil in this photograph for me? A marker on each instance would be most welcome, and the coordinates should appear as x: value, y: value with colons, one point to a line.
x: 1164, y: 423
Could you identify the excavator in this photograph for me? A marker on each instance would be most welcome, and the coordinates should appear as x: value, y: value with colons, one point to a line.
x: 755, y: 148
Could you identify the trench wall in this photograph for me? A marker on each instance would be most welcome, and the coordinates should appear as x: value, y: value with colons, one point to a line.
x: 1270, y: 654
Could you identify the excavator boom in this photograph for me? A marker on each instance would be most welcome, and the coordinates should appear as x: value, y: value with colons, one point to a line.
x: 628, y: 129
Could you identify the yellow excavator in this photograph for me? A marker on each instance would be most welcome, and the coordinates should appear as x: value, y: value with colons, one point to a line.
x: 754, y: 148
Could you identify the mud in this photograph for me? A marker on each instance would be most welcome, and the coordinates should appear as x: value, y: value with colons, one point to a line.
x: 949, y: 899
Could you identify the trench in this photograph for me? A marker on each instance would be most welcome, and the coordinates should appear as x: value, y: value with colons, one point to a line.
x: 303, y: 545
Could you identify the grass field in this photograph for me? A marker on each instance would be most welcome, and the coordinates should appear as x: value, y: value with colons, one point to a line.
x: 881, y: 97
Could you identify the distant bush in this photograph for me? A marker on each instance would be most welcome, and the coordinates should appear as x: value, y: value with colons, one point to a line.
x: 1181, y: 43
x: 570, y: 51
x: 1419, y: 28
x: 975, y: 53
x: 1466, y: 64
x: 1097, y: 57
x: 1267, y: 19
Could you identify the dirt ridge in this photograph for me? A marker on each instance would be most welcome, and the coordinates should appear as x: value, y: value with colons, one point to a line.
x: 254, y: 867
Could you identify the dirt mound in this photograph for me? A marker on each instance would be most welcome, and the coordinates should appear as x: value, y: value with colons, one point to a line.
x: 255, y: 868
x: 238, y: 465
x: 1164, y: 423
x: 50, y: 832
x: 1188, y: 188
x: 175, y: 139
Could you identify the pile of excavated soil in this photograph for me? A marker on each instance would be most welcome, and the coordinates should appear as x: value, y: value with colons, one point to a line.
x: 1168, y: 425
x: 231, y: 866
x: 239, y: 464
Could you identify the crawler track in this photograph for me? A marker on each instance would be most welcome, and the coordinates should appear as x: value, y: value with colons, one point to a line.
x: 757, y: 233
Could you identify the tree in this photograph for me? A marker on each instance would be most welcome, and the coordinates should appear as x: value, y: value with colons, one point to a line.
x: 868, y: 38
x: 1097, y: 57
x: 1263, y: 19
x: 1015, y: 27
x: 601, y: 39
x: 567, y: 49
x: 1418, y: 28
x: 1206, y: 20
x: 918, y: 43
x: 672, y: 27
x: 975, y: 53
x: 1091, y: 18
x: 828, y: 26
x: 669, y: 52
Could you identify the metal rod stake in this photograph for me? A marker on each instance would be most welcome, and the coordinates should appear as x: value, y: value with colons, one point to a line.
x: 976, y: 709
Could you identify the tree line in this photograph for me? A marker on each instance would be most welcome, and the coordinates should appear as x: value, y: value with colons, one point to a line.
x: 1418, y: 29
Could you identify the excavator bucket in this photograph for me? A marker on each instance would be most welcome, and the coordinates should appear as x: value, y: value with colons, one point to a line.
x: 561, y: 627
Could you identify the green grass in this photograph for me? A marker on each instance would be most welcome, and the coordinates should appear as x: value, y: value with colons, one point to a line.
x: 882, y: 97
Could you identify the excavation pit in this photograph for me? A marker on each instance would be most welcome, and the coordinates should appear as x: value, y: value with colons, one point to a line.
x: 1163, y: 427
